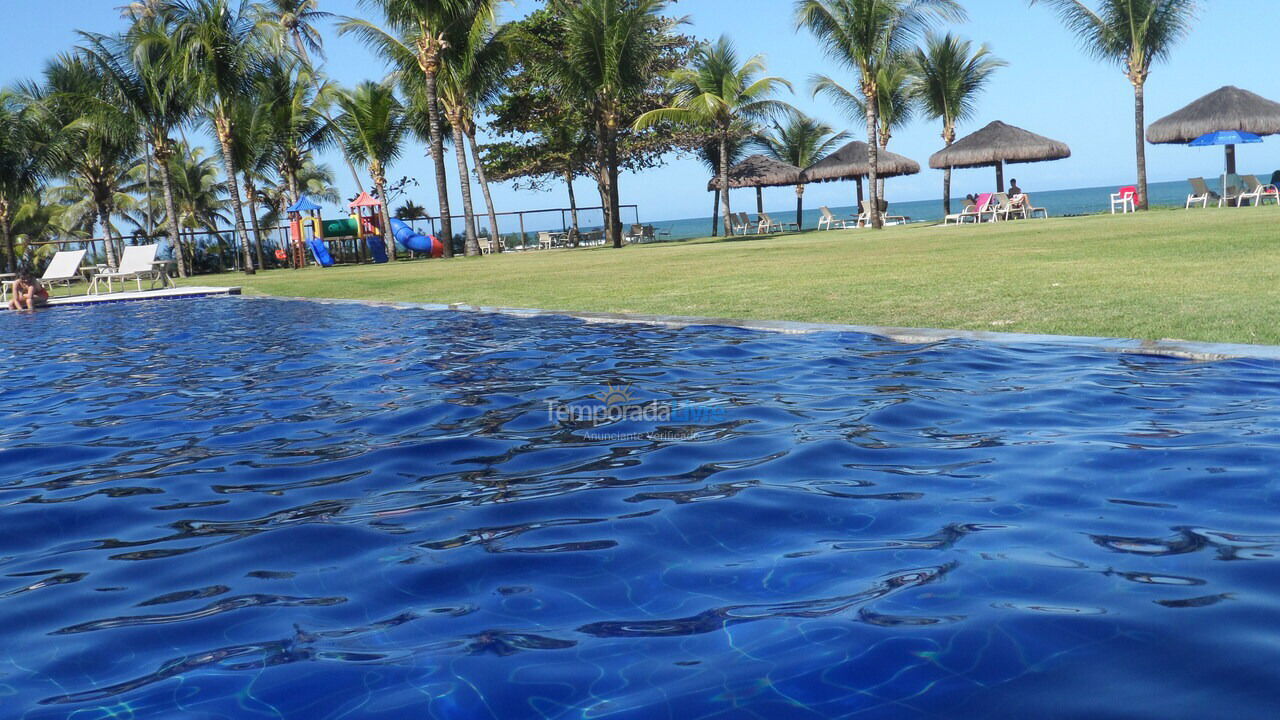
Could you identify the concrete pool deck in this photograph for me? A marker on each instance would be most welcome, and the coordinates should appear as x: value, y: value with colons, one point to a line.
x: 1183, y: 349
x: 134, y: 296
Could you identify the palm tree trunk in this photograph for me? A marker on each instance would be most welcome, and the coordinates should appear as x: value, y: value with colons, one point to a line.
x: 873, y: 156
x: 171, y: 209
x: 602, y: 169
x: 437, y: 158
x: 388, y: 242
x: 724, y: 184
x: 108, y: 241
x: 799, y: 207
x: 484, y: 186
x: 250, y: 192
x: 615, y: 207
x: 223, y: 131
x: 948, y: 137
x: 715, y: 212
x: 291, y: 180
x: 573, y: 202
x: 472, y: 246
x: 1139, y: 124
x: 6, y: 233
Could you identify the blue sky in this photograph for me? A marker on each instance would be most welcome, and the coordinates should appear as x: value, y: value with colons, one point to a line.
x: 1050, y: 87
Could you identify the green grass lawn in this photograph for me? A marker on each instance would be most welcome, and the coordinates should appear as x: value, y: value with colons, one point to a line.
x: 1210, y: 275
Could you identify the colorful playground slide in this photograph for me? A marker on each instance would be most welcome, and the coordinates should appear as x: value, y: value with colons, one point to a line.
x: 416, y: 241
x: 320, y: 252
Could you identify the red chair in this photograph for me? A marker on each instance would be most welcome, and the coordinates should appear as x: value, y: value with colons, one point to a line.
x: 1126, y: 199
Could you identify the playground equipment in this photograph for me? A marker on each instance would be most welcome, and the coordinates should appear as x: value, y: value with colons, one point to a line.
x: 305, y: 232
x: 367, y: 218
x: 308, y: 231
x: 415, y: 241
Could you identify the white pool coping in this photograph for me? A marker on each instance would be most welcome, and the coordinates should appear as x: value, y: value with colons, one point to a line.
x: 134, y: 296
x: 1184, y: 349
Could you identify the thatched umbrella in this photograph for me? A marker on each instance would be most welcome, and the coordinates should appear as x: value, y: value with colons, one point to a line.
x: 851, y: 162
x: 997, y: 144
x: 759, y: 171
x: 1225, y: 109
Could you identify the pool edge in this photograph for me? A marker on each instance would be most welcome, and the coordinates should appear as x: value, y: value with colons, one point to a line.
x: 1182, y: 349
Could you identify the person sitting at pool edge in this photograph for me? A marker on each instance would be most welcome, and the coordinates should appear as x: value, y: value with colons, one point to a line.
x: 28, y: 293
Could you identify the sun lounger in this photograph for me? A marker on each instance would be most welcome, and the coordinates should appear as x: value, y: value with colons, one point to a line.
x: 1200, y: 192
x: 1126, y: 198
x: 829, y: 221
x: 864, y: 217
x: 136, y: 263
x: 767, y: 224
x: 1003, y: 208
x: 1258, y: 193
x: 974, y: 212
x: 63, y: 268
x: 969, y: 211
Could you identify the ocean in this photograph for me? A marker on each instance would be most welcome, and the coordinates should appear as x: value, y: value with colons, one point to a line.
x: 1079, y: 201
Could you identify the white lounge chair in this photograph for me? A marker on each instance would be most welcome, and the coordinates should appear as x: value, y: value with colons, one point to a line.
x: 1125, y: 199
x: 1258, y: 191
x: 767, y: 224
x: 1200, y: 193
x: 829, y: 221
x: 137, y: 262
x: 864, y: 218
x: 63, y: 268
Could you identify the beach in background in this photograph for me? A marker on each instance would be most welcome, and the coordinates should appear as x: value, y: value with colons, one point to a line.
x: 1059, y: 203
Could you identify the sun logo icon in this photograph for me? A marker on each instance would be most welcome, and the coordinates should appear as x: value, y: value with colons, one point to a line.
x: 614, y: 395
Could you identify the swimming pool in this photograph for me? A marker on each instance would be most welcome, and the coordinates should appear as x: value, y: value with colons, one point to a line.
x: 242, y: 508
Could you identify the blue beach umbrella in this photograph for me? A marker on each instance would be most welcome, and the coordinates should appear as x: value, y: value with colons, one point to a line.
x: 1225, y: 137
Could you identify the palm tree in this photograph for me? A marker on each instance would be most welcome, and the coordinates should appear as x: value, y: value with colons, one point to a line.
x: 717, y: 94
x: 200, y: 195
x: 99, y: 141
x: 252, y: 129
x: 220, y: 50
x: 23, y: 164
x: 38, y: 219
x: 474, y: 65
x: 295, y: 21
x: 139, y: 69
x: 291, y: 26
x: 1133, y: 34
x: 802, y: 142
x: 373, y: 128
x: 947, y: 76
x: 297, y: 117
x: 895, y: 105
x: 416, y: 38
x: 709, y: 154
x: 862, y: 35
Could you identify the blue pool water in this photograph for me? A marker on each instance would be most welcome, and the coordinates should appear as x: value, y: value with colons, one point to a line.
x: 240, y: 508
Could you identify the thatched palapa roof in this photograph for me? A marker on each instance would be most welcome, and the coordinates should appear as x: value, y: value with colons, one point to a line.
x: 850, y: 162
x: 998, y: 143
x: 759, y: 171
x: 1227, y: 108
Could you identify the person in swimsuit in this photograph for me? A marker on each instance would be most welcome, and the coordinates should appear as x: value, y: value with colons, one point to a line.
x: 28, y: 293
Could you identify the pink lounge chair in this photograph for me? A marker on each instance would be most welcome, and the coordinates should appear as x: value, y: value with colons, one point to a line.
x: 973, y: 211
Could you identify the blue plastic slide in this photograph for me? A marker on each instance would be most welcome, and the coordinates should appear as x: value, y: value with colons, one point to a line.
x: 320, y: 252
x: 416, y: 241
x: 376, y: 248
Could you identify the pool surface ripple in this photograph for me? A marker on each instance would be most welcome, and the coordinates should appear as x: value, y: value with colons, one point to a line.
x: 239, y: 508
